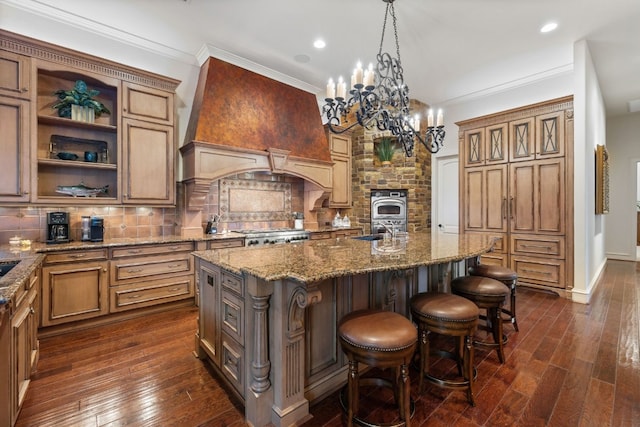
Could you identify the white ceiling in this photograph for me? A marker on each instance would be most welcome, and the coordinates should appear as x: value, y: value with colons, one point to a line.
x: 451, y: 49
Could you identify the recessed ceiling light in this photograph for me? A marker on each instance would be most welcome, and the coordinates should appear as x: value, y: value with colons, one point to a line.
x: 302, y: 58
x: 546, y: 28
x: 319, y: 44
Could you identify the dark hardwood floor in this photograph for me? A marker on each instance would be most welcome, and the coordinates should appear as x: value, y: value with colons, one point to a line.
x: 570, y: 365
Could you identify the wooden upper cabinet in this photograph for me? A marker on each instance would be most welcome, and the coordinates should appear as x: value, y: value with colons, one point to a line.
x: 538, y: 137
x: 14, y: 162
x: 15, y: 75
x: 148, y: 163
x: 550, y: 135
x: 474, y: 150
x: 340, y: 146
x: 496, y: 142
x: 148, y: 104
x: 521, y: 137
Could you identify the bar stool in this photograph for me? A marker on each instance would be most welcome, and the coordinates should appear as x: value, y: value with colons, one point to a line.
x: 506, y: 276
x: 378, y: 339
x: 449, y: 315
x: 487, y: 294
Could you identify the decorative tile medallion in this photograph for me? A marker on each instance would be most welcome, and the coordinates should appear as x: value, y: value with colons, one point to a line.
x: 244, y: 200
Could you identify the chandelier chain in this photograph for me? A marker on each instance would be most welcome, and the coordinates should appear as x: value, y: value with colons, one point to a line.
x: 381, y: 100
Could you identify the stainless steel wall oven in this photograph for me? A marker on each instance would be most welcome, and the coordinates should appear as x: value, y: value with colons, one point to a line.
x: 388, y: 210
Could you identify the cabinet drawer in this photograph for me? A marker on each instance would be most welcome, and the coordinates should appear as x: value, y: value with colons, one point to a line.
x: 346, y: 233
x: 144, y: 294
x: 226, y: 243
x: 494, y: 258
x: 73, y: 256
x: 142, y: 250
x: 233, y: 363
x: 137, y: 268
x: 541, y: 271
x: 232, y: 316
x: 538, y: 245
x: 320, y: 235
x: 232, y: 282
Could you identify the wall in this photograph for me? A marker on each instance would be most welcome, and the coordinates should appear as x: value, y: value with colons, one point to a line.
x: 623, y: 144
x: 589, y: 131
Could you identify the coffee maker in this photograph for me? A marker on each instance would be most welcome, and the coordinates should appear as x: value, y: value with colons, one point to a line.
x: 57, y: 227
x: 96, y: 229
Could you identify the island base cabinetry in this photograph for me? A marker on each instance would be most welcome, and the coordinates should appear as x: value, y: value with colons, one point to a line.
x: 275, y: 342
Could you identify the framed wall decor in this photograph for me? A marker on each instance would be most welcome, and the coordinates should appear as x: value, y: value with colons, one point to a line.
x: 602, y: 180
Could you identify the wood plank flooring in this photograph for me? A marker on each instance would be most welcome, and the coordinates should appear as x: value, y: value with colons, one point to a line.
x: 570, y: 365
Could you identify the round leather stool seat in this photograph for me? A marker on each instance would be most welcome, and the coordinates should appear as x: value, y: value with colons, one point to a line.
x: 488, y: 294
x: 379, y: 339
x: 449, y: 315
x: 506, y: 276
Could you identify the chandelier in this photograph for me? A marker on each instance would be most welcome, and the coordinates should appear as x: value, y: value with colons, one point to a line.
x: 380, y: 99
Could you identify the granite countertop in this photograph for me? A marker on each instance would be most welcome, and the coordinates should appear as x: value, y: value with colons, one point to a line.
x: 31, y: 257
x: 16, y: 278
x: 109, y: 243
x: 316, y: 260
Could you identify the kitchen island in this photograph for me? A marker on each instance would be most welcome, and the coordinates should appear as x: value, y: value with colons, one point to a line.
x: 268, y: 315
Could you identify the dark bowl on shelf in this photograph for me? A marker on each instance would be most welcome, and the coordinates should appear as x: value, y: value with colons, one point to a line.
x: 67, y: 156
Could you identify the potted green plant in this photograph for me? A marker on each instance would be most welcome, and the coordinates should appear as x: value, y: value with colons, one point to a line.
x: 385, y: 149
x: 80, y: 96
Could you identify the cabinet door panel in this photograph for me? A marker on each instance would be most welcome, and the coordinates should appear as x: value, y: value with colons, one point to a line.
x: 497, y: 143
x: 148, y: 163
x: 145, y: 103
x: 550, y: 212
x: 14, y: 75
x: 473, y: 208
x: 521, y: 197
x: 550, y: 135
x: 474, y: 150
x: 496, y: 198
x: 73, y: 292
x: 521, y: 138
x: 14, y: 162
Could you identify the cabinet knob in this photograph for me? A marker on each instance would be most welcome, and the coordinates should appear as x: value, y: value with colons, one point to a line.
x: 24, y: 89
x: 104, y: 270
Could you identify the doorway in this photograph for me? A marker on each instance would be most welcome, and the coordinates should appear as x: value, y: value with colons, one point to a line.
x: 446, y: 194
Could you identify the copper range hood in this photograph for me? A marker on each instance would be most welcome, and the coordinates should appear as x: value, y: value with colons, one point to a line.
x: 242, y: 121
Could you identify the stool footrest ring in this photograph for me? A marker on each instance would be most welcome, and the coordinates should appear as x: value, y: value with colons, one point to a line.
x: 379, y: 382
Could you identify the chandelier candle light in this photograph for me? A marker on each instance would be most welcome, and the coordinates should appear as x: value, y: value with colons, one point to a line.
x: 381, y: 100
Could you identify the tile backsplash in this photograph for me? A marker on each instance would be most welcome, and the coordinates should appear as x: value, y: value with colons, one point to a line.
x: 133, y: 222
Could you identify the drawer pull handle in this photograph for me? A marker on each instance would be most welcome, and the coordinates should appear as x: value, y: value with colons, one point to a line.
x: 174, y: 248
x: 134, y: 270
x: 134, y: 251
x: 537, y: 247
x: 173, y: 265
x: 174, y: 289
x: 233, y: 362
x: 75, y: 256
x: 524, y: 270
x: 231, y: 316
x: 134, y: 296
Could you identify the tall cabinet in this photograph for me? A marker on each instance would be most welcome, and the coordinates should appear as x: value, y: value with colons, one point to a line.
x: 516, y: 182
x: 129, y: 153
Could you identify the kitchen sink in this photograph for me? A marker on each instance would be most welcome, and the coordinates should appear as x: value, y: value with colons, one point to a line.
x: 6, y: 266
x: 369, y: 237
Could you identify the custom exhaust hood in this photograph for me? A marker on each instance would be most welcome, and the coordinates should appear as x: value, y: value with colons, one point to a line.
x: 242, y: 121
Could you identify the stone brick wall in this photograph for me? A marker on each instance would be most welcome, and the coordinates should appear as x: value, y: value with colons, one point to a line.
x: 410, y: 173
